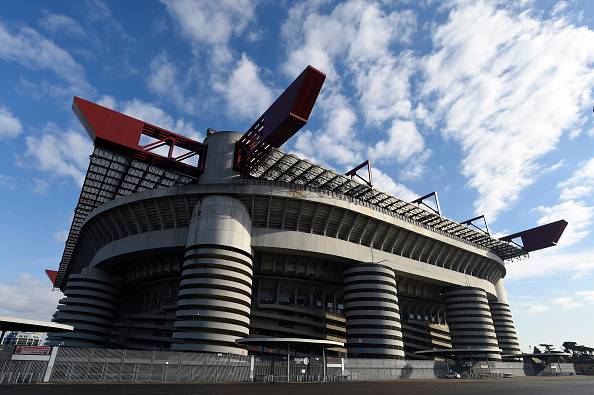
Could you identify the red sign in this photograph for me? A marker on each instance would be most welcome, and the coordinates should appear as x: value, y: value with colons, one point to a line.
x: 33, y: 350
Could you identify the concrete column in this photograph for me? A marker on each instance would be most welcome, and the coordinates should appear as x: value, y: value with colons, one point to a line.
x: 214, y: 299
x: 372, y: 313
x: 469, y: 319
x: 218, y: 167
x: 89, y: 306
x: 503, y: 322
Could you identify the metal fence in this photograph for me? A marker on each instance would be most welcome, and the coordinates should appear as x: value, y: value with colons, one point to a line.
x: 483, y: 369
x: 19, y: 371
x: 114, y: 365
x: 72, y: 365
x: 298, y: 369
x: 363, y: 369
x: 556, y: 369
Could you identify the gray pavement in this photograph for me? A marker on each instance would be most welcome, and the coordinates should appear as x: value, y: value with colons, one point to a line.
x: 577, y: 385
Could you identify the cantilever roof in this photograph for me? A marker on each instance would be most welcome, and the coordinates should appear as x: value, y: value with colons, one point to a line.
x: 26, y: 325
x: 110, y: 175
x: 290, y: 340
x: 279, y: 166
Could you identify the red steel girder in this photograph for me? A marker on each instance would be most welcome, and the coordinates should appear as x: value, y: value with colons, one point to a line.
x: 121, y: 132
x: 52, y: 275
x: 280, y: 121
x: 540, y: 237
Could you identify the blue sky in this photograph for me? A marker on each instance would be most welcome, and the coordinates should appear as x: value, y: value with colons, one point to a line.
x: 488, y: 103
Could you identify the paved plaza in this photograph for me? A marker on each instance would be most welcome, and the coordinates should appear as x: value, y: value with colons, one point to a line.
x: 575, y: 385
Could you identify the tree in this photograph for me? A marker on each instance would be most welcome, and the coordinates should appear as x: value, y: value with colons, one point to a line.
x: 569, y: 346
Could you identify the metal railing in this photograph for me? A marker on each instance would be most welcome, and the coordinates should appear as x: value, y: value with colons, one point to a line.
x: 115, y: 365
x: 19, y: 371
x: 77, y: 365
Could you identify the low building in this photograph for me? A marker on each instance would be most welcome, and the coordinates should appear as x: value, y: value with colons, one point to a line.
x: 24, y: 338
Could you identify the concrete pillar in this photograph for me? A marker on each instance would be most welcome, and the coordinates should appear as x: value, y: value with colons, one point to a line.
x: 503, y: 322
x: 218, y: 167
x: 470, y: 322
x: 89, y: 306
x: 214, y: 299
x: 372, y: 315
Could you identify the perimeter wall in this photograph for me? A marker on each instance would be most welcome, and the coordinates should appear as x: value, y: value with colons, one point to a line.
x: 72, y: 365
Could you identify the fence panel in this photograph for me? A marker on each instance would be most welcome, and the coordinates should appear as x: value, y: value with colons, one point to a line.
x: 118, y: 365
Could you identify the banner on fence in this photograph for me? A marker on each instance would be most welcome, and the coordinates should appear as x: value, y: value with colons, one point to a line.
x: 32, y: 350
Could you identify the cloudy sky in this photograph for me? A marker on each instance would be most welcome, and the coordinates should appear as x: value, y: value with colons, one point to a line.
x: 488, y: 103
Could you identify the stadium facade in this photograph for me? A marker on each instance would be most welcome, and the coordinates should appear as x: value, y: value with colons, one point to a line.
x: 189, y: 246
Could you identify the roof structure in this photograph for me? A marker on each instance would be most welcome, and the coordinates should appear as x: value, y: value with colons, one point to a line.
x: 457, y: 351
x: 112, y: 174
x: 288, y: 168
x: 289, y: 340
x: 15, y: 324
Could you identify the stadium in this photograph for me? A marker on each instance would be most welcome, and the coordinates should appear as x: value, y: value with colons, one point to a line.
x: 232, y: 246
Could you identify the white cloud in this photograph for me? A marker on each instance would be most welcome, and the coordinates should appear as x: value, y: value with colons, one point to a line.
x: 580, y: 184
x: 152, y: 114
x: 61, y: 236
x: 586, y: 296
x: 59, y: 153
x: 566, y: 302
x: 575, y: 300
x: 578, y: 215
x: 335, y: 142
x: 358, y: 32
x: 6, y: 181
x: 424, y: 116
x: 164, y: 81
x: 58, y: 23
x: 359, y: 37
x: 553, y: 262
x: 210, y: 26
x: 537, y: 309
x: 559, y: 7
x: 10, y: 125
x: 553, y: 168
x: 212, y: 23
x: 575, y: 192
x: 385, y: 183
x: 107, y: 101
x: 28, y: 297
x: 40, y: 186
x: 509, y: 83
x: 99, y: 12
x: 403, y: 142
x: 30, y: 49
x: 579, y: 274
x: 246, y: 95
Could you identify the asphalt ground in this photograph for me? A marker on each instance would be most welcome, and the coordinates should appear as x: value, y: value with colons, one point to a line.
x: 575, y: 385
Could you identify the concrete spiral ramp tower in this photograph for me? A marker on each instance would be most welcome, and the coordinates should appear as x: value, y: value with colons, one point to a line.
x: 470, y: 322
x: 372, y: 314
x: 215, y: 291
x: 89, y: 305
